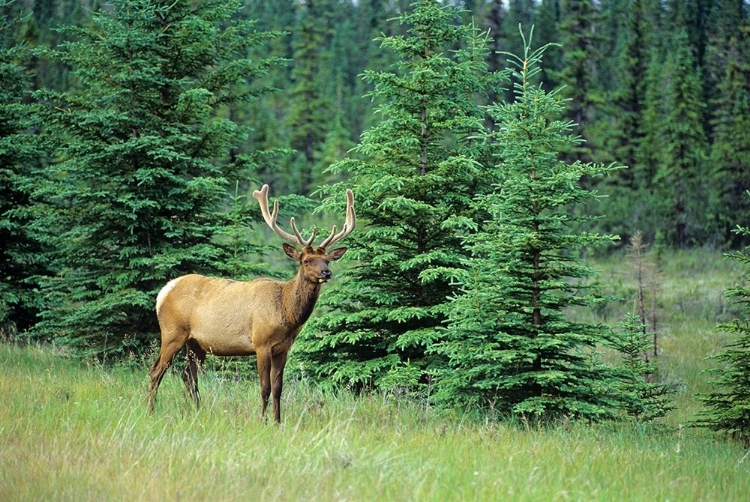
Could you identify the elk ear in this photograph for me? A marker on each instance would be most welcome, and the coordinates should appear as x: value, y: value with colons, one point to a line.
x: 336, y: 254
x: 291, y: 252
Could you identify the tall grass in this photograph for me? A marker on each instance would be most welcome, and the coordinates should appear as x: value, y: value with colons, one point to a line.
x: 72, y: 431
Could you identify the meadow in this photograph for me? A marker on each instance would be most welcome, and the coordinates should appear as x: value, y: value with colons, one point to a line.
x: 71, y: 430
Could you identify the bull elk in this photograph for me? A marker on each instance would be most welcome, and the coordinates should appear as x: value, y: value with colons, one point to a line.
x: 231, y: 318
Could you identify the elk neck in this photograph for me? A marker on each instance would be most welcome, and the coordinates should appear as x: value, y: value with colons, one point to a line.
x: 298, y: 299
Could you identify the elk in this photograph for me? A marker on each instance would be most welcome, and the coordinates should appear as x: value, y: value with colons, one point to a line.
x: 223, y: 317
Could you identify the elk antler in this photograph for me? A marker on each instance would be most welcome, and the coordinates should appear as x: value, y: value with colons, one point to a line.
x: 262, y: 197
x: 351, y: 220
x: 270, y: 218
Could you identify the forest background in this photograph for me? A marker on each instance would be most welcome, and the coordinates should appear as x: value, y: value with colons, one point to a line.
x: 659, y: 87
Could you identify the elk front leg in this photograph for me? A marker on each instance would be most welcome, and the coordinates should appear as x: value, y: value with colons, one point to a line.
x: 264, y: 372
x: 277, y: 381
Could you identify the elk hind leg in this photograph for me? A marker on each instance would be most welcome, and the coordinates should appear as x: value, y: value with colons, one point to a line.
x: 170, y: 346
x: 195, y: 358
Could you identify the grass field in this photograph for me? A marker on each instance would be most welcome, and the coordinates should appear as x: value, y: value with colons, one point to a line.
x: 78, y: 432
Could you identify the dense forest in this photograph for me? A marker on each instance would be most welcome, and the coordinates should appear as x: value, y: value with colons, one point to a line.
x: 520, y: 132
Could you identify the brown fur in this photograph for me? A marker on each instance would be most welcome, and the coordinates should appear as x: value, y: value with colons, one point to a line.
x: 232, y: 318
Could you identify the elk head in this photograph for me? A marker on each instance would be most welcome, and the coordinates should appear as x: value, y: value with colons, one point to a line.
x: 313, y: 261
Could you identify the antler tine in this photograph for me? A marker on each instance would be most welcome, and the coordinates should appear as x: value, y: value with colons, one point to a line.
x: 270, y: 218
x: 302, y: 242
x: 351, y: 221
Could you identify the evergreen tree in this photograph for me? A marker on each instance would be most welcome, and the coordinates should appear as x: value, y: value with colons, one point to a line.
x: 19, y: 252
x: 612, y: 21
x: 611, y: 49
x: 642, y: 398
x: 649, y: 154
x: 345, y: 74
x: 508, y: 343
x: 520, y: 13
x: 417, y: 170
x: 310, y: 108
x: 335, y: 148
x: 683, y: 144
x: 579, y: 41
x: 730, y: 153
x: 729, y: 65
x: 727, y: 409
x: 727, y: 29
x: 630, y: 96
x: 266, y: 117
x: 135, y: 194
x: 339, y: 80
x: 373, y: 22
x: 625, y: 128
x: 546, y: 29
x: 690, y: 17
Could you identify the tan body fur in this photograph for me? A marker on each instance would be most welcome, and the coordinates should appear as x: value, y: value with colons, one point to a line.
x: 228, y: 331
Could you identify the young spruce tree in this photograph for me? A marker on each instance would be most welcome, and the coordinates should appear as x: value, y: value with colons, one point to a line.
x: 727, y: 409
x: 134, y: 196
x: 414, y: 170
x: 641, y: 397
x: 510, y: 347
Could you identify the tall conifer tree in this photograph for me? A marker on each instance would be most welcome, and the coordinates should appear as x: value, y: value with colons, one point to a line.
x: 417, y: 170
x: 630, y: 96
x: 134, y: 195
x: 626, y: 130
x: 547, y: 30
x: 649, y: 154
x: 683, y: 149
x: 19, y: 253
x: 579, y: 41
x: 728, y: 74
x: 508, y: 343
x: 311, y: 108
x: 727, y: 30
x: 730, y: 152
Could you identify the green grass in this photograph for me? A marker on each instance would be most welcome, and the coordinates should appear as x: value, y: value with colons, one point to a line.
x: 71, y: 431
